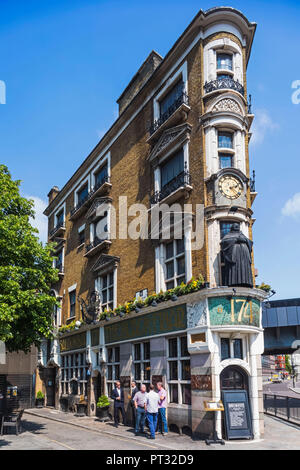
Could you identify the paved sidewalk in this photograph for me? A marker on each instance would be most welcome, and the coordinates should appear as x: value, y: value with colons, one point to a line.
x: 278, y: 433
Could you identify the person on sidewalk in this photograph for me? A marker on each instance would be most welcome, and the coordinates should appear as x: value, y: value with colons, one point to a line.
x: 153, y: 400
x: 162, y: 418
x: 134, y: 390
x: 140, y: 400
x: 118, y: 397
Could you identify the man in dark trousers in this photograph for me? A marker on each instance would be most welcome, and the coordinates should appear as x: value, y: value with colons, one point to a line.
x: 134, y: 390
x: 118, y: 397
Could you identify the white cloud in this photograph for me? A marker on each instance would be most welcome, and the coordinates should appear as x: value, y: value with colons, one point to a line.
x: 262, y: 124
x: 40, y: 221
x: 292, y: 207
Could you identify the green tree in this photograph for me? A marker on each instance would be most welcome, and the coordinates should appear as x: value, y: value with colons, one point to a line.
x: 288, y: 366
x: 26, y: 272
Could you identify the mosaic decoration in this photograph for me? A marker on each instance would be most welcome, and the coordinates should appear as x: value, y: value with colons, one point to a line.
x: 234, y: 311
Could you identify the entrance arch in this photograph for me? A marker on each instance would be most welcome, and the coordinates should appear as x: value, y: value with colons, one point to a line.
x: 234, y: 378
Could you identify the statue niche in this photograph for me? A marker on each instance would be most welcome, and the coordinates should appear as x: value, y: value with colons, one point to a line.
x: 236, y: 250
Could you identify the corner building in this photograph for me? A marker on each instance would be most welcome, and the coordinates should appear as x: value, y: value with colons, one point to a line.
x: 182, y: 134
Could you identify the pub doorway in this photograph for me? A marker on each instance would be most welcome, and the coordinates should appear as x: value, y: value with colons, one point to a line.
x: 50, y: 378
x: 233, y: 378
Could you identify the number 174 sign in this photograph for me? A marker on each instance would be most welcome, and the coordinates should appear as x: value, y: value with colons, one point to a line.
x: 234, y: 311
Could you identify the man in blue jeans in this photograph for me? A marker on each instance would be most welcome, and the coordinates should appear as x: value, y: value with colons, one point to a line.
x: 140, y: 399
x: 152, y: 410
x: 162, y: 419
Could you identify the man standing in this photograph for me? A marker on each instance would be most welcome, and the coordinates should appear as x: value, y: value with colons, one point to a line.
x: 134, y: 390
x: 118, y: 397
x: 140, y: 400
x: 152, y: 403
x: 162, y: 419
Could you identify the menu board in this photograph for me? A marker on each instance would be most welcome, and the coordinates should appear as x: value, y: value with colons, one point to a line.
x: 238, y: 424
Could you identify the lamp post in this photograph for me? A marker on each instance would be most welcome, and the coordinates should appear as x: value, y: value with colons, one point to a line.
x: 293, y: 369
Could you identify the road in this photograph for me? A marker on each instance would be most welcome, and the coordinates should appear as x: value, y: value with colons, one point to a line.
x: 282, y: 389
x: 44, y: 434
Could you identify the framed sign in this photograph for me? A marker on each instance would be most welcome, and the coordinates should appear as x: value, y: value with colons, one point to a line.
x: 238, y: 424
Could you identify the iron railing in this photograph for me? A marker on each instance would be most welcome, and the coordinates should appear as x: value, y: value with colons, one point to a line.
x: 221, y: 83
x: 181, y: 99
x: 183, y: 179
x: 105, y: 179
x: 283, y: 407
x: 95, y: 243
x: 57, y: 227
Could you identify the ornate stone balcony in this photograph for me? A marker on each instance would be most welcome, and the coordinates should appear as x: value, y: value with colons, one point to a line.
x: 58, y: 230
x: 174, y: 189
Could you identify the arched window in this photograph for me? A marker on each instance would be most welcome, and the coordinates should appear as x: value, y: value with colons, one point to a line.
x: 234, y: 378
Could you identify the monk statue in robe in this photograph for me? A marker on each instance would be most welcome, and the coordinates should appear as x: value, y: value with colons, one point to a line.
x: 236, y: 250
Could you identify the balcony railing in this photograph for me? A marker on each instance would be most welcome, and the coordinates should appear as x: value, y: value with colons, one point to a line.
x: 182, y: 99
x: 97, y: 241
x: 224, y: 83
x: 181, y: 180
x: 60, y: 225
x: 91, y: 193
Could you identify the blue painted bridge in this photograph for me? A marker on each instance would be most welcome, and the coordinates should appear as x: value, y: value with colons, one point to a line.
x: 281, y: 323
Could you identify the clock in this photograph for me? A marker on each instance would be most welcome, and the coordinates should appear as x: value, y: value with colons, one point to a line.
x: 230, y: 187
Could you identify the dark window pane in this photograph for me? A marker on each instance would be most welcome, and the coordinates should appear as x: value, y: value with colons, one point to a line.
x: 181, y: 265
x: 137, y: 352
x: 172, y: 168
x: 137, y: 371
x: 169, y: 250
x: 170, y: 285
x: 147, y: 350
x: 224, y: 75
x: 185, y: 370
x: 173, y: 347
x: 101, y: 176
x: 117, y: 354
x: 170, y: 269
x: 179, y: 246
x: 238, y: 348
x: 110, y: 354
x: 173, y: 370
x: 109, y: 372
x: 225, y: 349
x: 183, y: 347
x: 225, y: 227
x: 173, y: 393
x: 186, y: 394
x: 117, y: 372
x: 171, y: 97
x: 82, y: 194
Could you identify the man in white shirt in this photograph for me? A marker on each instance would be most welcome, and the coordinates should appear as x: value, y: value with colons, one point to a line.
x: 152, y: 403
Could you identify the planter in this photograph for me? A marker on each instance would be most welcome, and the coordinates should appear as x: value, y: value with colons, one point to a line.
x: 103, y: 414
x: 39, y: 402
x: 81, y: 409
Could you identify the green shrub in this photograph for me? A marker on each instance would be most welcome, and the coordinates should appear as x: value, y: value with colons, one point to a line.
x: 103, y: 402
x: 40, y: 395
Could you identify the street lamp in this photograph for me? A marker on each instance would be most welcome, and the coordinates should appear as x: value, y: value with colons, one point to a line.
x: 293, y: 369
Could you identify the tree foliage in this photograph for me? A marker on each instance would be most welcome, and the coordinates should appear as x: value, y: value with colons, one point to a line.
x: 26, y: 272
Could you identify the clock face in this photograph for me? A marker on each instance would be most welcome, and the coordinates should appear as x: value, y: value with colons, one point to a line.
x: 230, y: 187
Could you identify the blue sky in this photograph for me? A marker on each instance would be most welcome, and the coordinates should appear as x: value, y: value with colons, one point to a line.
x: 65, y: 63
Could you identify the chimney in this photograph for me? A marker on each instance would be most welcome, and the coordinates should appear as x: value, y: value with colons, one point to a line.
x: 52, y: 194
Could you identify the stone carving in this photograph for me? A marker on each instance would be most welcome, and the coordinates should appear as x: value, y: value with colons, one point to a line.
x: 196, y: 314
x: 227, y: 104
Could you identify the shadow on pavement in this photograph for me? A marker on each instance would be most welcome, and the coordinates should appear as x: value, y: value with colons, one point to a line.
x: 3, y: 443
x: 31, y: 426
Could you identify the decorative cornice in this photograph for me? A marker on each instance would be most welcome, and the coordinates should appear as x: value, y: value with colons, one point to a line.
x: 105, y: 263
x: 170, y: 138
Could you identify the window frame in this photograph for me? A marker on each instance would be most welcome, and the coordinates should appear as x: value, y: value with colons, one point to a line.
x: 115, y: 366
x: 176, y: 256
x: 70, y: 370
x: 142, y: 362
x: 179, y: 359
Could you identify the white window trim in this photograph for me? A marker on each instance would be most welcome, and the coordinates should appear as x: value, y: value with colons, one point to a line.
x: 112, y: 364
x: 80, y: 186
x: 61, y: 208
x: 115, y: 286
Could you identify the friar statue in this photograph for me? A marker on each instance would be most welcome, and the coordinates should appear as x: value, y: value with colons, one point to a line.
x: 236, y: 250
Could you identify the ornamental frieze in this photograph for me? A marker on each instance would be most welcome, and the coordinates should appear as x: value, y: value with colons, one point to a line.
x: 227, y: 104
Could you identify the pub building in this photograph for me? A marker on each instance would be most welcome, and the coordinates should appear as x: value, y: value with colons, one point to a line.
x: 181, y: 137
